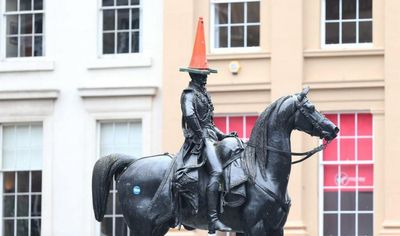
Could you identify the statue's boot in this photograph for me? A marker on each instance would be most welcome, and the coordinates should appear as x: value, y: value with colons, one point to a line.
x: 212, y: 200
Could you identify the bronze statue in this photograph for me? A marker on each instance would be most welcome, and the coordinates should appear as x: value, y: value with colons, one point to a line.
x: 216, y: 181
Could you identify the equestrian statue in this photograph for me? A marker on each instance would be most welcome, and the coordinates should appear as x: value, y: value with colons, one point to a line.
x: 216, y: 181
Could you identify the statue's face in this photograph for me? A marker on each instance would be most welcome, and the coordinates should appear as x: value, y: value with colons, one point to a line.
x: 199, y: 79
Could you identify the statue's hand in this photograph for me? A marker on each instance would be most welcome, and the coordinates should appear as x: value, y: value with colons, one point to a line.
x: 231, y: 134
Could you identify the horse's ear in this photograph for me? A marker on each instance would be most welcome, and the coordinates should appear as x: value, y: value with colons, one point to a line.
x: 304, y: 93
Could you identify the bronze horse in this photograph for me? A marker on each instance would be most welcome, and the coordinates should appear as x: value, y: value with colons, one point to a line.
x: 266, y: 160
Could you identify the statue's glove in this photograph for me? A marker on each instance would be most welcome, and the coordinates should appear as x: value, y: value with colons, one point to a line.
x: 231, y: 134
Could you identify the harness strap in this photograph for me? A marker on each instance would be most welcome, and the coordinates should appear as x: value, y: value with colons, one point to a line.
x: 274, y: 196
x: 306, y: 154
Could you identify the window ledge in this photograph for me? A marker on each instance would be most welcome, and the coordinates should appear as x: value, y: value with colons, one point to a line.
x: 19, y: 65
x: 38, y: 94
x: 343, y: 53
x: 117, y: 91
x: 235, y: 56
x: 120, y: 62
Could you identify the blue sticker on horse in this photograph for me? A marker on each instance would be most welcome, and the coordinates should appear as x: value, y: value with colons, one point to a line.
x: 136, y: 190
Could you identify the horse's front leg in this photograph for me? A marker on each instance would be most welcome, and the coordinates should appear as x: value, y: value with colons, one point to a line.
x: 275, y: 232
x: 256, y: 230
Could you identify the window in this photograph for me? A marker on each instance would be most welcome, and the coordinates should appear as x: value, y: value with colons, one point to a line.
x: 124, y: 138
x: 24, y: 28
x: 21, y: 150
x: 242, y: 124
x: 347, y: 183
x: 235, y: 24
x: 347, y: 22
x: 120, y: 26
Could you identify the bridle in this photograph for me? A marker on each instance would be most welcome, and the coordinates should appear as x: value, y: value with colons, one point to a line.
x: 315, y: 124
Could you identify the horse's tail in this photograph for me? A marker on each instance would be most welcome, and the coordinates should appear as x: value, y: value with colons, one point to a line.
x: 103, y: 171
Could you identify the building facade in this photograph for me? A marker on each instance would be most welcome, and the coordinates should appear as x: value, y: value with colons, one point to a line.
x: 346, y: 51
x: 78, y: 80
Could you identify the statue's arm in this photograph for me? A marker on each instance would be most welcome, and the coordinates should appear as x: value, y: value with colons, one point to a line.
x: 189, y: 115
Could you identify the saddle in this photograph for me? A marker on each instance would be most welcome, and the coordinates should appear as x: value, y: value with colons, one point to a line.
x: 188, y: 178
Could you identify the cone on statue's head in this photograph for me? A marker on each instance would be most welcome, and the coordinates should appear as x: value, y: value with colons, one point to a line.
x: 198, y: 64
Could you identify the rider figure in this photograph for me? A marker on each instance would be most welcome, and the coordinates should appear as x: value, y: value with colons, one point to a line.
x: 199, y: 128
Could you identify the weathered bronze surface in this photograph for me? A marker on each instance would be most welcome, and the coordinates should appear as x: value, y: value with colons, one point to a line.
x: 162, y: 191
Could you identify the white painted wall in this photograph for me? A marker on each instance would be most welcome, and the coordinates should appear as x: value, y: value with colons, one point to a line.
x: 72, y: 66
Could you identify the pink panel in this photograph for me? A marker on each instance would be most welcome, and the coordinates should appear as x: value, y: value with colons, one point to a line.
x: 347, y: 125
x: 347, y: 149
x: 220, y: 122
x: 333, y: 118
x: 330, y: 174
x: 250, y: 122
x: 330, y: 153
x: 348, y: 175
x: 236, y: 124
x: 364, y: 124
x: 366, y: 175
x: 364, y: 149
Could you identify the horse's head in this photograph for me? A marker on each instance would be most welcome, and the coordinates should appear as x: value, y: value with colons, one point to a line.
x: 309, y: 120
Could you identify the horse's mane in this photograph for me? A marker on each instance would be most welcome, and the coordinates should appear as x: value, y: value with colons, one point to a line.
x: 255, y: 152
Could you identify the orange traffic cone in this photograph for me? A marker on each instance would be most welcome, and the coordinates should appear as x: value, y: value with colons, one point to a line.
x: 199, y: 64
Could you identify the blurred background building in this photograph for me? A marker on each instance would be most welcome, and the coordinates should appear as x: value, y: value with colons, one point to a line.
x: 81, y: 79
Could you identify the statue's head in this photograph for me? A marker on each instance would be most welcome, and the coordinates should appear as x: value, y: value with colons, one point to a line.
x: 199, y: 78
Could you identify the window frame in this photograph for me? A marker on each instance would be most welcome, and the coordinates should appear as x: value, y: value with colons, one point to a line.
x: 3, y: 31
x: 244, y: 124
x: 113, y: 192
x: 100, y: 53
x: 229, y: 49
x: 322, y: 163
x: 30, y: 193
x: 341, y: 45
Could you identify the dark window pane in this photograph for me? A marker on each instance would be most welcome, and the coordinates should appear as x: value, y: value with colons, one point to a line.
x: 36, y: 179
x: 123, y: 19
x: 330, y: 224
x: 12, y: 48
x: 348, y: 32
x: 22, y: 205
x: 38, y: 23
x: 221, y: 37
x: 23, y: 176
x: 365, y: 32
x: 109, y: 208
x: 118, y: 209
x: 331, y: 33
x: 106, y: 227
x: 120, y: 227
x: 108, y: 19
x: 332, y: 9
x: 365, y: 9
x: 122, y: 2
x: 347, y: 201
x: 12, y: 24
x: 9, y: 182
x: 135, y: 18
x: 8, y: 206
x: 108, y: 43
x: 237, y: 36
x: 330, y: 201
x: 25, y: 51
x: 8, y: 227
x: 365, y: 201
x: 108, y: 2
x: 365, y: 224
x: 11, y: 5
x: 348, y: 224
x: 25, y: 5
x: 349, y: 8
x: 221, y: 13
x: 135, y: 42
x: 26, y: 23
x: 135, y: 2
x: 123, y: 42
x: 253, y: 12
x: 36, y: 205
x: 253, y: 36
x: 37, y: 53
x: 38, y: 4
x: 237, y: 12
x: 35, y: 227
x: 22, y: 227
